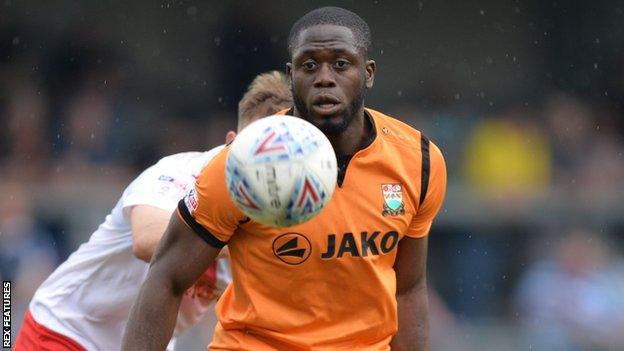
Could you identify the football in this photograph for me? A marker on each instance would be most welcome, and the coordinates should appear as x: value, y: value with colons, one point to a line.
x: 281, y: 171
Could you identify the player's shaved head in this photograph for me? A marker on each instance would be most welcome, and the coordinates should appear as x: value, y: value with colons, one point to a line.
x: 267, y: 94
x: 333, y: 16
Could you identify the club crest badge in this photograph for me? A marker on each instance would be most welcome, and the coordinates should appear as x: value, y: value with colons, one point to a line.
x: 393, y: 200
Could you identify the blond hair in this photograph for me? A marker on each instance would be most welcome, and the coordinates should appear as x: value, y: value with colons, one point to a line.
x: 267, y: 94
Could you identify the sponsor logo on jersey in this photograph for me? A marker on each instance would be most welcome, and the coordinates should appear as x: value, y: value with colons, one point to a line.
x: 177, y: 183
x: 165, y: 178
x: 292, y: 248
x: 393, y: 200
x: 190, y: 200
x: 363, y: 245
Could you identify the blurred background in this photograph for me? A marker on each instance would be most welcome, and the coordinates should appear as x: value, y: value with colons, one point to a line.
x: 525, y: 98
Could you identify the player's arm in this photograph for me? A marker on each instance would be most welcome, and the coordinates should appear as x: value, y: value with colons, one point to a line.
x: 204, y: 222
x: 180, y: 259
x: 151, y: 199
x: 148, y: 225
x: 411, y: 277
x: 411, y: 261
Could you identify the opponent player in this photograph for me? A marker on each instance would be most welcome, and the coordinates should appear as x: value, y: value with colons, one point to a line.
x: 352, y: 278
x: 85, y: 303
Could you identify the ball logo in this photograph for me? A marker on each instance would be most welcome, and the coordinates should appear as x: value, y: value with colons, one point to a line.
x: 272, y: 142
x: 309, y: 198
x: 292, y: 248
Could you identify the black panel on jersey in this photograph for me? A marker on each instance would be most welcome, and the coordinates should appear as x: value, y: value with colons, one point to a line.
x: 424, y: 176
x: 343, y: 160
x: 198, y: 228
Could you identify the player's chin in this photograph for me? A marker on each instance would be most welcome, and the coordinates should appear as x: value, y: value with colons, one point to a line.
x: 332, y: 125
x: 318, y: 119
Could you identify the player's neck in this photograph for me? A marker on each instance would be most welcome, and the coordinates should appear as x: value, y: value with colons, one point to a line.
x: 353, y: 138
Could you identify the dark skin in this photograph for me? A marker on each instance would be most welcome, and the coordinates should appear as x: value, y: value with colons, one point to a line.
x: 178, y: 262
x: 329, y: 75
x: 412, y: 302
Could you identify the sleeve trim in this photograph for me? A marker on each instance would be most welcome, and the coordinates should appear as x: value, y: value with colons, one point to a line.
x: 424, y: 176
x: 208, y: 237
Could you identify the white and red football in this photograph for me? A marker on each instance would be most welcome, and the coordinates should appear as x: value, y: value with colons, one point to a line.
x: 281, y: 171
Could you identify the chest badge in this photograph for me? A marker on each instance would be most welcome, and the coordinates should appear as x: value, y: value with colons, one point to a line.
x: 393, y: 200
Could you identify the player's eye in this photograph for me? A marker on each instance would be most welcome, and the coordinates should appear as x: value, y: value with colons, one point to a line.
x: 309, y: 65
x: 341, y: 64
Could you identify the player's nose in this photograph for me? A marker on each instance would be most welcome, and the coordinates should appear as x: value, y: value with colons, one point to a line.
x: 325, y: 77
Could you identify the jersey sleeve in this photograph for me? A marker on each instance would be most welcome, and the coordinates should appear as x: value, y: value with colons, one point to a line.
x: 422, y: 221
x: 163, y: 184
x: 208, y: 208
x: 157, y: 186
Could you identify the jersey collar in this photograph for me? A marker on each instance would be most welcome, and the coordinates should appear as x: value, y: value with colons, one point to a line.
x: 343, y: 160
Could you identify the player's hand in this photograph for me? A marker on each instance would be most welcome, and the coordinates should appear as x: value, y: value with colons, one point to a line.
x: 229, y: 137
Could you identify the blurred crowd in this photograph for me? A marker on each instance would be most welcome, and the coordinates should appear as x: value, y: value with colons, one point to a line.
x: 527, y: 255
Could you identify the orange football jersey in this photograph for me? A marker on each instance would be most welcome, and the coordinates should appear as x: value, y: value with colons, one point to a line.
x: 329, y: 283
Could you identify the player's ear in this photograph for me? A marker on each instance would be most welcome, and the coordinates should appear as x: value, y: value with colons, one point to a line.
x: 371, y: 67
x: 229, y: 137
x: 288, y: 69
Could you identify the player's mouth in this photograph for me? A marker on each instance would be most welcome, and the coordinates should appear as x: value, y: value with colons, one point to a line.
x: 325, y: 105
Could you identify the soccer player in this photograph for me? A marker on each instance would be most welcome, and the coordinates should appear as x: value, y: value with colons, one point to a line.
x: 352, y: 278
x: 85, y: 303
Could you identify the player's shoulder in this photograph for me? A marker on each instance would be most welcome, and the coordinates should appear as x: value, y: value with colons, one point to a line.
x: 189, y: 157
x: 402, y: 136
x: 393, y: 130
x: 186, y: 162
x: 215, y: 167
x: 178, y: 166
